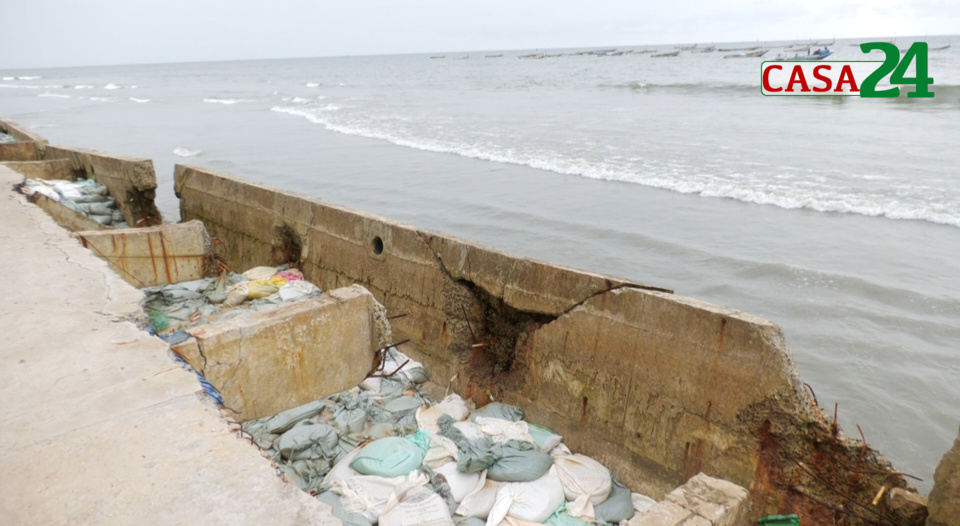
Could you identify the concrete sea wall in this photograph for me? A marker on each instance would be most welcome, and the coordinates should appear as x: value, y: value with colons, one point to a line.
x: 657, y: 386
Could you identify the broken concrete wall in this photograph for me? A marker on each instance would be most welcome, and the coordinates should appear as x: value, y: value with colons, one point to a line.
x: 159, y: 255
x: 267, y: 362
x: 657, y: 386
x: 48, y: 170
x: 65, y: 217
x: 701, y: 501
x: 131, y: 181
x: 20, y: 151
x: 944, y: 504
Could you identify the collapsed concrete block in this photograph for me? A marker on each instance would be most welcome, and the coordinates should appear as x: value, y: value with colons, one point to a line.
x: 702, y: 500
x: 267, y: 362
x: 146, y: 257
x: 907, y: 508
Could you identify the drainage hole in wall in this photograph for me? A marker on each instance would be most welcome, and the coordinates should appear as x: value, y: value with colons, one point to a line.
x: 377, y: 246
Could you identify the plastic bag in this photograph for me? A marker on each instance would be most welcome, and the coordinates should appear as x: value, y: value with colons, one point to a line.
x: 530, y: 501
x: 452, y: 405
x: 412, y: 504
x: 478, y: 502
x: 508, y: 412
x: 261, y: 288
x: 295, y: 290
x: 461, y: 484
x: 388, y: 457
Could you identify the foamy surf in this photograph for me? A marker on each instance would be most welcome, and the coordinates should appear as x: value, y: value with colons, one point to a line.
x: 186, y: 152
x: 111, y: 86
x: 313, y: 84
x: 139, y: 101
x: 228, y: 102
x: 55, y: 95
x: 83, y: 86
x: 684, y: 179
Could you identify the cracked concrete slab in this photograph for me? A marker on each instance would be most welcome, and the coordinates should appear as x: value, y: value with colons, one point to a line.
x: 98, y: 424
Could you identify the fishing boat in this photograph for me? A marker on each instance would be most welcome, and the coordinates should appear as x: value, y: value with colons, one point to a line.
x: 439, y: 56
x: 493, y: 56
x: 819, y: 54
x: 531, y: 56
x: 687, y: 48
x: 754, y: 48
x: 941, y: 48
x: 748, y: 54
x: 709, y: 49
x: 643, y: 51
x: 671, y: 54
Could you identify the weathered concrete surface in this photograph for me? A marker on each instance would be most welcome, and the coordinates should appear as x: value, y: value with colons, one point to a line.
x: 267, y: 362
x: 65, y: 217
x: 702, y: 501
x: 131, y: 181
x: 20, y: 132
x: 659, y: 387
x: 944, y: 502
x: 158, y: 255
x: 99, y: 424
x: 19, y: 151
x: 907, y: 508
x: 56, y: 169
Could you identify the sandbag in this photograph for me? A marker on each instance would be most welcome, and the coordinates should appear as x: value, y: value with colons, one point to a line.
x: 388, y: 457
x: 236, y: 294
x: 441, y: 451
x: 261, y: 288
x: 508, y: 412
x: 580, y: 475
x: 641, y: 503
x: 530, y: 501
x: 260, y: 273
x: 452, y: 405
x: 283, y: 421
x: 562, y: 518
x: 371, y: 384
x: 515, y: 464
x: 412, y: 504
x: 502, y: 431
x: 402, y: 404
x: 336, y: 507
x: 295, y: 290
x: 350, y: 421
x: 479, y: 501
x: 618, y: 506
x: 461, y: 484
x: 342, y: 470
x: 366, y: 495
x: 544, y: 438
x: 309, y: 442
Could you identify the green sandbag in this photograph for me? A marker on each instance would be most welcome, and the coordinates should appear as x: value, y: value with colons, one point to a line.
x: 541, y: 435
x: 618, y: 506
x: 388, y: 457
x: 422, y: 439
x: 519, y: 462
x: 336, y: 507
x: 498, y: 410
x: 309, y: 441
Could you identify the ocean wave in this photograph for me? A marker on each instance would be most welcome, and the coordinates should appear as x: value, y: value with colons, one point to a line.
x: 797, y: 197
x: 98, y: 99
x: 186, y: 152
x: 313, y: 84
x: 111, y: 86
x: 27, y: 86
x: 83, y: 86
x: 55, y: 95
x: 7, y: 78
x: 299, y: 100
x: 28, y: 78
x: 228, y: 102
x: 140, y: 101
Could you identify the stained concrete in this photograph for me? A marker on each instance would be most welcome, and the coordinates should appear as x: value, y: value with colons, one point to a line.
x: 263, y: 363
x: 701, y: 501
x: 944, y: 503
x: 56, y: 169
x: 151, y: 256
x: 99, y: 425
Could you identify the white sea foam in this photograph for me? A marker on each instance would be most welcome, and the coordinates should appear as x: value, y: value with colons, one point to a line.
x: 98, y: 99
x: 55, y: 95
x: 8, y: 78
x: 299, y: 100
x: 111, y: 86
x: 228, y: 102
x: 309, y: 84
x: 139, y: 101
x: 658, y: 175
x: 28, y: 78
x: 83, y: 86
x: 186, y: 152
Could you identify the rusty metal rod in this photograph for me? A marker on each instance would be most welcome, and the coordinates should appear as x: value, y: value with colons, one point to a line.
x: 396, y: 316
x: 835, y: 508
x: 467, y: 319
x: 812, y: 393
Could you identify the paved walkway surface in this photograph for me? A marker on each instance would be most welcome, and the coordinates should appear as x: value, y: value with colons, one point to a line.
x: 98, y: 425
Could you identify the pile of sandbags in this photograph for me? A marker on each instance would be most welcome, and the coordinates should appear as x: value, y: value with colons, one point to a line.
x: 86, y: 197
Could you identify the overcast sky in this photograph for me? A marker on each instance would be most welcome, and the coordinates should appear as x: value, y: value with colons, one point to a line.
x: 47, y: 33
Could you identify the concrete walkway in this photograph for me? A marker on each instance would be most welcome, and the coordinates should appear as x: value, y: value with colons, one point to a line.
x: 97, y: 424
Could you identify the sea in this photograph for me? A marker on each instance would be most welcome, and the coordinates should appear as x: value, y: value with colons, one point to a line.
x: 836, y: 218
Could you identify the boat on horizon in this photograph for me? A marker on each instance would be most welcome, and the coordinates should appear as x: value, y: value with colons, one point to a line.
x: 439, y: 56
x: 748, y: 54
x: 661, y: 55
x: 819, y: 54
x: 686, y: 48
x: 493, y: 56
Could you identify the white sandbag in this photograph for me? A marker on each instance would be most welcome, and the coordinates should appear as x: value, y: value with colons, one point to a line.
x: 461, y: 484
x: 470, y: 430
x: 342, y: 471
x: 237, y: 294
x: 366, y: 495
x: 442, y: 450
x: 641, y: 503
x: 510, y: 521
x: 582, y: 509
x: 583, y: 476
x: 502, y: 431
x: 560, y: 450
x: 297, y: 289
x: 371, y: 384
x: 479, y: 501
x: 530, y: 501
x: 412, y: 504
x: 260, y: 273
x: 452, y: 405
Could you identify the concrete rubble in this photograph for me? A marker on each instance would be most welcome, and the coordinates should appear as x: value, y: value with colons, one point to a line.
x: 944, y: 502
